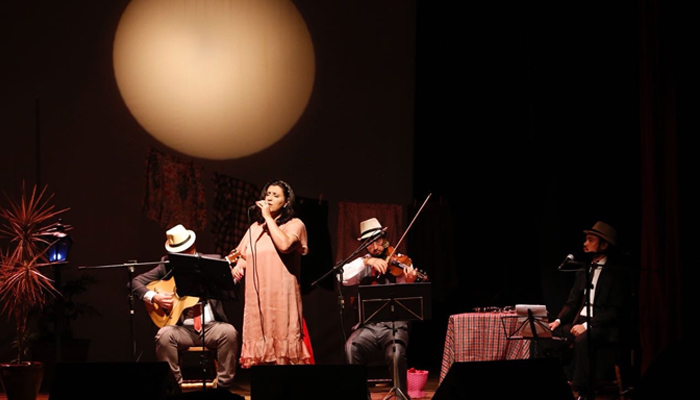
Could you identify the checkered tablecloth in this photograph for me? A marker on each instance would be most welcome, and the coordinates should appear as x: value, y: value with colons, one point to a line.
x: 481, y: 337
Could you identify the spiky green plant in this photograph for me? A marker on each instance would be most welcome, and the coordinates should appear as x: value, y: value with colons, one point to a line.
x: 23, y: 287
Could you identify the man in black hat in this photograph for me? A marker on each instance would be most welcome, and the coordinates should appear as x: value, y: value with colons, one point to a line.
x: 610, y: 296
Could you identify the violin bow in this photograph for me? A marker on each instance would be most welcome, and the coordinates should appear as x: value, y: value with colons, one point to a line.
x: 409, y: 226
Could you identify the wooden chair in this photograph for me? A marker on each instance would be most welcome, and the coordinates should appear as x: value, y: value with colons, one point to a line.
x: 619, y: 362
x: 377, y: 370
x: 190, y: 361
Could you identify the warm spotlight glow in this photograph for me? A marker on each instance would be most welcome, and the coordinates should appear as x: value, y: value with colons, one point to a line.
x: 215, y: 79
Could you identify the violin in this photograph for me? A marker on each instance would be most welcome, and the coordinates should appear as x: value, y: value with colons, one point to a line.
x: 397, y: 264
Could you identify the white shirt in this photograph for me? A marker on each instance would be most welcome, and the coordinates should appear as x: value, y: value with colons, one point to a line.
x: 356, y: 270
x: 594, y: 283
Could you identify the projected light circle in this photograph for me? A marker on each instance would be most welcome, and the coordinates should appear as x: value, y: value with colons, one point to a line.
x: 215, y: 79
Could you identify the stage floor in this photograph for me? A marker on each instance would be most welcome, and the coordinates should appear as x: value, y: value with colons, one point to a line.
x: 242, y: 388
x: 377, y: 391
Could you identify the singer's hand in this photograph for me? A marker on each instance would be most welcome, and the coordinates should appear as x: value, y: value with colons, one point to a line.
x: 264, y: 208
x: 238, y: 271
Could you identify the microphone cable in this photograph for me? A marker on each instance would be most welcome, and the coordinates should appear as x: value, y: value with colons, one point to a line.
x: 256, y: 277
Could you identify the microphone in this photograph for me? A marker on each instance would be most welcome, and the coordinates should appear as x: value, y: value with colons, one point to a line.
x: 569, y: 258
x: 253, y: 207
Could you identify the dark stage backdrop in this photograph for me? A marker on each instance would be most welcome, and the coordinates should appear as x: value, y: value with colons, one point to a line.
x: 65, y: 125
x: 522, y: 122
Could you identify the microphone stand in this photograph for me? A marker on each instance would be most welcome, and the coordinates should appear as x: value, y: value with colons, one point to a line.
x: 587, y: 268
x: 338, y: 269
x: 130, y: 269
x: 590, y: 272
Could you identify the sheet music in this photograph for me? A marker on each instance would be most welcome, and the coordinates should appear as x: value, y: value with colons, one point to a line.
x: 538, y: 310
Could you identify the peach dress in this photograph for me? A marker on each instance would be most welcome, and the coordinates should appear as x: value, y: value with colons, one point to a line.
x: 272, y: 316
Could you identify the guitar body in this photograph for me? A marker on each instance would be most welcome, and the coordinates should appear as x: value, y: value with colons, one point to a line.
x: 159, y: 316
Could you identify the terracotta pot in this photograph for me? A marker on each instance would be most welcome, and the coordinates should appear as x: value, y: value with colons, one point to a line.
x: 22, y: 381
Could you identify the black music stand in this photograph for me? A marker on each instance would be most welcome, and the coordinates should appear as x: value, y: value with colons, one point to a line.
x: 206, y: 278
x: 395, y: 302
x: 532, y: 325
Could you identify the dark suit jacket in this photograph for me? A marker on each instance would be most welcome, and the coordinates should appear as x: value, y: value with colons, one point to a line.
x: 611, y: 305
x: 139, y: 289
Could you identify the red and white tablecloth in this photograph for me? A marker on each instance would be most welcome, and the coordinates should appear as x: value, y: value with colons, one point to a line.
x: 481, y: 337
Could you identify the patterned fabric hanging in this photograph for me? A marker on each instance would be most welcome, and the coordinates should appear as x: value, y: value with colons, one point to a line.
x: 174, y: 192
x: 232, y: 197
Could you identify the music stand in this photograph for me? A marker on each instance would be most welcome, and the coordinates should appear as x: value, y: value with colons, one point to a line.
x: 206, y: 278
x: 395, y: 302
x: 532, y: 323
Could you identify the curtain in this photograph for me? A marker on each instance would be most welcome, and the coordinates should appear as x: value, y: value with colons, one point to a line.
x: 660, y: 288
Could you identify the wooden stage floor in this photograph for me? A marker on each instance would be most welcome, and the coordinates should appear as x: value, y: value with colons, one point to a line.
x: 379, y: 391
x: 242, y: 388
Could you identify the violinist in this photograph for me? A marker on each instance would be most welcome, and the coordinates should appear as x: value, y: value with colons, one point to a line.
x: 380, y: 266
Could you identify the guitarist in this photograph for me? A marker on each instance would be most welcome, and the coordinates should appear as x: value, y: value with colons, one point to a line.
x: 186, y: 331
x: 369, y: 339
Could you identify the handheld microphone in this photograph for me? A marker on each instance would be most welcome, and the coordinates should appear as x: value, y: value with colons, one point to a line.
x: 569, y: 258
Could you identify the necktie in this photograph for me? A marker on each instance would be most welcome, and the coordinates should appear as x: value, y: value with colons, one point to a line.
x: 198, y: 317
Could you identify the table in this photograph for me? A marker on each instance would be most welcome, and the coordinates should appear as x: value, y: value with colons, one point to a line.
x: 481, y: 337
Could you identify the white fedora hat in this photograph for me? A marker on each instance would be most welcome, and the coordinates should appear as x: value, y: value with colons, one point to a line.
x: 369, y: 228
x: 179, y: 239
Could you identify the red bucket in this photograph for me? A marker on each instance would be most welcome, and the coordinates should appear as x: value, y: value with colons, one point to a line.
x: 416, y: 381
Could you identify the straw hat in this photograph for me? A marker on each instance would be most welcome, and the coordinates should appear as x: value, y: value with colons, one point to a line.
x: 179, y: 239
x: 603, y: 230
x: 369, y: 227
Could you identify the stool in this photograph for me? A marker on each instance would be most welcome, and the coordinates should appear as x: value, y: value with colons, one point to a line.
x: 615, y: 357
x: 190, y: 361
x: 378, y: 370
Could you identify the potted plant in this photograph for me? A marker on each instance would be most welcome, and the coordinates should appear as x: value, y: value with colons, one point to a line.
x: 23, y: 288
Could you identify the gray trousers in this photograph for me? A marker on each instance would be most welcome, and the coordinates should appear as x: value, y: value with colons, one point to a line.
x: 372, y: 341
x: 217, y: 335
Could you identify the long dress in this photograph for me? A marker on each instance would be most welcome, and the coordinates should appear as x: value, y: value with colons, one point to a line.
x: 272, y: 316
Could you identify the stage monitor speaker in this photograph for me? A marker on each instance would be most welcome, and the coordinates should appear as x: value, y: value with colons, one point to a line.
x: 291, y: 382
x: 209, y: 394
x: 113, y: 380
x: 541, y: 379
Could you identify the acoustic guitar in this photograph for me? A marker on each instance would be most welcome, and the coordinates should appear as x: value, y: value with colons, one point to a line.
x: 161, y: 317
